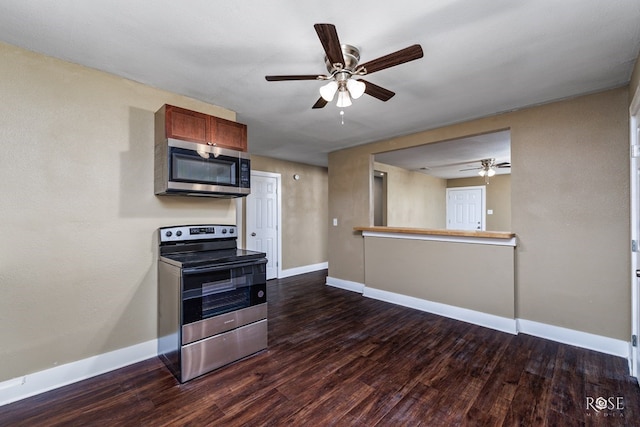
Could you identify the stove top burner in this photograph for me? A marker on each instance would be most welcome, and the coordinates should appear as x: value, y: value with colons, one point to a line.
x: 204, y: 258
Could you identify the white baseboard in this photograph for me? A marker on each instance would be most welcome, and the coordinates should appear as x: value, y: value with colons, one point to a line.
x: 581, y: 339
x: 586, y: 340
x: 345, y: 284
x: 49, y: 379
x: 302, y: 270
x: 491, y: 321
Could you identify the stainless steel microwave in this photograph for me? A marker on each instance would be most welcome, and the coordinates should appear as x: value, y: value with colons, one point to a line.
x: 186, y: 168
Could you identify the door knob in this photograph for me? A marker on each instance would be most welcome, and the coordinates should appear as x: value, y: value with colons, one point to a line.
x: 253, y: 234
x: 637, y: 273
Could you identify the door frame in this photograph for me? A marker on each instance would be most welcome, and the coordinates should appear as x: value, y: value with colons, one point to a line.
x: 634, y: 140
x: 483, y: 208
x: 241, y: 215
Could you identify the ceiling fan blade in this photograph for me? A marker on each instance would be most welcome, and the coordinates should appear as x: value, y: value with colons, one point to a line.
x: 320, y: 103
x: 407, y: 54
x: 376, y: 91
x: 503, y: 165
x: 330, y: 42
x: 293, y: 77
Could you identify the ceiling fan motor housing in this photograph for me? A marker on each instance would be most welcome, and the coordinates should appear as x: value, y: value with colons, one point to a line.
x: 351, y: 56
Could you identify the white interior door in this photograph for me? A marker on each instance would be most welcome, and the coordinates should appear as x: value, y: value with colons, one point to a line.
x: 465, y: 208
x: 263, y: 218
x: 635, y: 232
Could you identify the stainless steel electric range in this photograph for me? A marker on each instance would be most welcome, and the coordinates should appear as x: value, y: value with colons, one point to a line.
x: 212, y: 299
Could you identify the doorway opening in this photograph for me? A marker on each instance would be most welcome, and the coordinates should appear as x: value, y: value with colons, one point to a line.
x: 417, y: 178
x: 379, y: 199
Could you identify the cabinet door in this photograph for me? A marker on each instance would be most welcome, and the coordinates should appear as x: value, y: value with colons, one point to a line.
x: 186, y: 125
x: 228, y: 134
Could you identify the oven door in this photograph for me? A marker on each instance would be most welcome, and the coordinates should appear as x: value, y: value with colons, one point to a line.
x: 207, y: 169
x: 215, y: 290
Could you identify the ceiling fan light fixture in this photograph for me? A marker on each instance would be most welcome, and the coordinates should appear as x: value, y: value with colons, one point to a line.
x: 356, y: 88
x: 491, y: 172
x: 482, y: 172
x: 328, y: 91
x: 344, y: 100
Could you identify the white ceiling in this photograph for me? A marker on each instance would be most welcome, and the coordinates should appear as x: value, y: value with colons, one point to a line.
x: 480, y: 57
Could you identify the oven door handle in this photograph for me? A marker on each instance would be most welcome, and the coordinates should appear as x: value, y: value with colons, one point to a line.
x: 225, y: 266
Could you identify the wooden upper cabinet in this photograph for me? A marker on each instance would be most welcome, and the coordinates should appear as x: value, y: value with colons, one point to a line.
x: 192, y: 126
x: 186, y: 124
x: 228, y: 134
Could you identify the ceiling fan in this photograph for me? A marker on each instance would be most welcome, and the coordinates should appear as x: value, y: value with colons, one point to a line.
x: 488, y: 167
x: 342, y: 61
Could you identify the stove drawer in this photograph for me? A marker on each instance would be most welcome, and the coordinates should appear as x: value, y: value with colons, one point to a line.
x: 206, y: 355
x: 196, y: 331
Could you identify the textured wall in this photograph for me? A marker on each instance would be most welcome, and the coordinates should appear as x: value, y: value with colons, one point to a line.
x: 570, y: 208
x: 432, y: 271
x: 350, y: 204
x: 79, y: 217
x: 414, y: 199
x: 304, y: 210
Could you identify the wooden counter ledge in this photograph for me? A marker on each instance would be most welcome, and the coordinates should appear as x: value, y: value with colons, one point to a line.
x: 436, y: 232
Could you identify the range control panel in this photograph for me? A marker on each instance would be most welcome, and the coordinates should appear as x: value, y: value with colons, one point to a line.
x: 182, y: 233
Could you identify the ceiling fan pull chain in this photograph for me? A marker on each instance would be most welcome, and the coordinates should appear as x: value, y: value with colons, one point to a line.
x: 341, y: 117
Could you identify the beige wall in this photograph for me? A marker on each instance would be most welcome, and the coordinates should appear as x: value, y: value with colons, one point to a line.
x: 350, y: 205
x: 498, y: 194
x: 570, y: 208
x: 414, y: 199
x: 78, y: 213
x: 79, y: 216
x: 424, y: 269
x: 304, y: 210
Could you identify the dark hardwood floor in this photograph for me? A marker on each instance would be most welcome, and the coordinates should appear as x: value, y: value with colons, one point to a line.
x: 337, y: 358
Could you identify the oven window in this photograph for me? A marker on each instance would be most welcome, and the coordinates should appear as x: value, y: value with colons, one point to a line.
x: 229, y: 301
x: 211, y: 293
x: 200, y: 308
x: 193, y: 168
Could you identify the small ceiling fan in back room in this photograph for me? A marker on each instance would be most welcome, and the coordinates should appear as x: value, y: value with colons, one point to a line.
x: 342, y: 61
x: 488, y: 168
